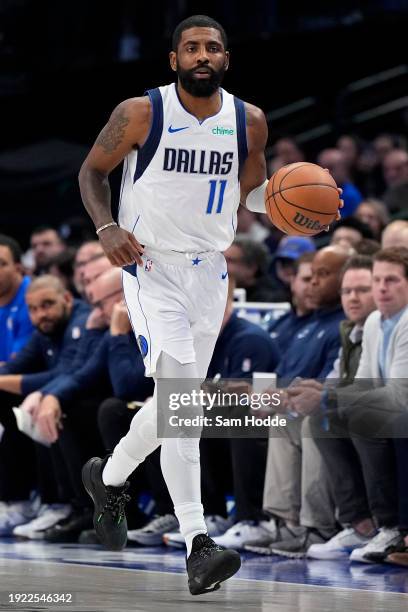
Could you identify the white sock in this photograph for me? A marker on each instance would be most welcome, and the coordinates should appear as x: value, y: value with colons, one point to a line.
x: 191, y: 519
x: 180, y: 463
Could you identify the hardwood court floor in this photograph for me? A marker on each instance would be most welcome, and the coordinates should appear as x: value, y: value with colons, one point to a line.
x: 153, y: 580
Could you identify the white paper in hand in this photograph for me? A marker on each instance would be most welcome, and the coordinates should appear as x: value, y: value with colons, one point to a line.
x: 26, y: 426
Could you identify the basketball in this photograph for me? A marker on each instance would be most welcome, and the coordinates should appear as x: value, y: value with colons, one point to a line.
x: 301, y: 199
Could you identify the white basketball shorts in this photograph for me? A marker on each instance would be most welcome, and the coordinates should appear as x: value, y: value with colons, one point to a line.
x: 176, y: 303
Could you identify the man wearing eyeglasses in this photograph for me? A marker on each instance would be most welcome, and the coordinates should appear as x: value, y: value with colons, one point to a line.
x: 87, y: 252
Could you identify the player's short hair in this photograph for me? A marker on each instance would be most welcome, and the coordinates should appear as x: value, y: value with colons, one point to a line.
x: 13, y: 247
x: 395, y: 255
x: 197, y: 21
x: 357, y: 262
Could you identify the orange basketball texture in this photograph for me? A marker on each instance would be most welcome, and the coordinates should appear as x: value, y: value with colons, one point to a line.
x: 301, y: 199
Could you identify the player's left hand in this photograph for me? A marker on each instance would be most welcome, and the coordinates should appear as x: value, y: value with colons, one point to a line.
x: 49, y: 418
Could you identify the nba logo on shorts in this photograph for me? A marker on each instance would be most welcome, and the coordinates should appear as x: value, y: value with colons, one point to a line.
x: 148, y: 265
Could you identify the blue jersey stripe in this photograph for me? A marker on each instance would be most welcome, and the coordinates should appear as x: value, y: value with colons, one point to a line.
x: 124, y: 173
x: 241, y: 132
x: 146, y: 153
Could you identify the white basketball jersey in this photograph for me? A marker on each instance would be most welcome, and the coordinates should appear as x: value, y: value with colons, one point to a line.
x: 180, y: 191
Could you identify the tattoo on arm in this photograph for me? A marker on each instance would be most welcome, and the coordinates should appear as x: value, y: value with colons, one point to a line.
x: 112, y: 134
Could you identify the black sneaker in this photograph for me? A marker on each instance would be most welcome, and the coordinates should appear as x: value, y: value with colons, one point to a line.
x: 109, y: 517
x: 209, y: 564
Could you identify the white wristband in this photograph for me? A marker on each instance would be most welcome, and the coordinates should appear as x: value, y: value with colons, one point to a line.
x: 256, y: 199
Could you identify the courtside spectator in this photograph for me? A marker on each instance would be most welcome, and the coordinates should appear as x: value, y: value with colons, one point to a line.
x: 353, y: 461
x: 93, y: 270
x: 363, y: 410
x: 313, y: 349
x: 286, y: 327
x: 248, y: 263
x: 283, y: 268
x: 45, y: 243
x: 367, y: 247
x: 62, y: 266
x: 89, y: 251
x: 60, y: 326
x: 374, y: 214
x: 285, y: 151
x: 114, y: 367
x: 349, y: 232
x: 395, y: 235
x: 15, y: 324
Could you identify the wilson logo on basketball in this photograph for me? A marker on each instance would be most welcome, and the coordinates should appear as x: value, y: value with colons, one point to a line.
x: 303, y: 221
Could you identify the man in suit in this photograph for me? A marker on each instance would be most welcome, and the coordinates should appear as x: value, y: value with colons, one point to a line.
x: 368, y: 411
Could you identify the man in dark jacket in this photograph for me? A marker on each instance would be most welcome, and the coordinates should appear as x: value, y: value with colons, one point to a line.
x: 114, y: 368
x: 284, y: 329
x: 15, y: 324
x: 60, y: 334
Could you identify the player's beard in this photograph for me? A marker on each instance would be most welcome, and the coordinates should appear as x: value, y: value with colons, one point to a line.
x: 200, y: 88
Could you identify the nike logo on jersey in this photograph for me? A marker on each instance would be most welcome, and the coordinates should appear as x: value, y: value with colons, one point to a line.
x: 224, y: 276
x: 172, y: 129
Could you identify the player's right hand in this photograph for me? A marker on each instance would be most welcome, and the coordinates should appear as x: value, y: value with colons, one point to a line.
x: 121, y: 247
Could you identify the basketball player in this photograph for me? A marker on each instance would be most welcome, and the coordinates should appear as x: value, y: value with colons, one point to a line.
x: 192, y: 152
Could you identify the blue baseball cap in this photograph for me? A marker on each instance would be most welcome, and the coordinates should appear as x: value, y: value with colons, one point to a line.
x: 292, y: 247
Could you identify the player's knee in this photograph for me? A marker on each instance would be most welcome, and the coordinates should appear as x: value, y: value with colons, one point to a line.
x: 189, y: 449
x: 146, y: 431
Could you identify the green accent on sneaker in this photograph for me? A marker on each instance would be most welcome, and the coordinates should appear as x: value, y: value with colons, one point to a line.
x: 100, y: 517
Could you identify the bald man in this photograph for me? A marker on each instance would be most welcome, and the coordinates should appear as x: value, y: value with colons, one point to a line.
x: 395, y: 235
x: 289, y: 489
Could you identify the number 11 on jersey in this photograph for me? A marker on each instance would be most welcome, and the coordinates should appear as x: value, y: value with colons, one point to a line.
x: 211, y: 197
